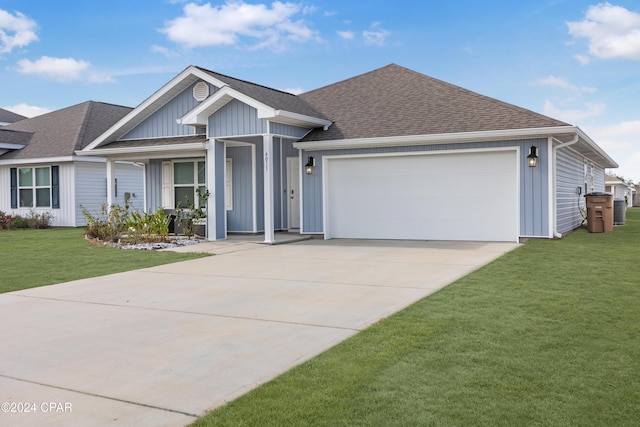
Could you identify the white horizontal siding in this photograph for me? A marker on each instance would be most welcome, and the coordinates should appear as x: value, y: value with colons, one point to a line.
x: 63, y: 217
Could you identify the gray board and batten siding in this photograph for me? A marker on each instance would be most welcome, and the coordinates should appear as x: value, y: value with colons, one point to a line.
x: 237, y: 119
x: 240, y: 217
x: 570, y: 175
x: 534, y: 182
x: 162, y: 123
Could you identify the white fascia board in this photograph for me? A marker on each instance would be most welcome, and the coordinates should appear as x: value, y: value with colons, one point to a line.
x: 7, y: 146
x: 149, y: 102
x: 37, y: 160
x: 596, y: 148
x: 142, y: 150
x: 492, y: 135
x: 296, y: 119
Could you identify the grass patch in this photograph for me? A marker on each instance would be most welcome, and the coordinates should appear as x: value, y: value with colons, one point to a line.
x: 546, y: 335
x: 32, y: 258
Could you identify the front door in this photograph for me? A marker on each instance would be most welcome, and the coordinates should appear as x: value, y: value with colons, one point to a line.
x: 293, y: 192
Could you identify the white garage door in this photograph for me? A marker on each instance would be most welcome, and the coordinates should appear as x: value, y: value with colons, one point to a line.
x: 452, y: 196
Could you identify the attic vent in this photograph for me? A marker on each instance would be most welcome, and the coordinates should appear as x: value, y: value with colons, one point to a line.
x: 201, y: 91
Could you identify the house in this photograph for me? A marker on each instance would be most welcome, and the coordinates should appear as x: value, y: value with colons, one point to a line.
x: 7, y: 117
x: 619, y: 189
x: 389, y: 154
x: 40, y: 172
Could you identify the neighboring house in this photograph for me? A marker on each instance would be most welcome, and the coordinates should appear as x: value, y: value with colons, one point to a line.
x: 619, y: 189
x: 7, y: 117
x: 390, y: 154
x: 39, y: 171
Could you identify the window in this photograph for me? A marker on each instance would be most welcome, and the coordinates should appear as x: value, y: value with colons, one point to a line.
x: 589, y: 180
x: 34, y: 187
x: 188, y: 177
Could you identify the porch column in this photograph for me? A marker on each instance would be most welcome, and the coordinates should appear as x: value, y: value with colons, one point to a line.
x: 111, y: 183
x: 216, y: 215
x: 267, y: 148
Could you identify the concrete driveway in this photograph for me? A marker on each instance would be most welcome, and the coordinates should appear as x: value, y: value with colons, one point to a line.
x: 161, y: 346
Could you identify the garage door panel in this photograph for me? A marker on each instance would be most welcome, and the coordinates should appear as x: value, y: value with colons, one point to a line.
x: 454, y: 196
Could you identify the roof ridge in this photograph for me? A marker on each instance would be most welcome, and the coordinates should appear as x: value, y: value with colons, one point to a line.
x: 83, y: 126
x: 479, y: 95
x: 357, y: 76
x: 244, y: 81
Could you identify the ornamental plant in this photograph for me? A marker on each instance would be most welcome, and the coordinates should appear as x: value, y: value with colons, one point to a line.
x: 107, y: 224
x: 147, y: 227
x: 188, y: 214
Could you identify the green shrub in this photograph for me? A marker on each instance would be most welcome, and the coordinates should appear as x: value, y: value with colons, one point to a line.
x: 107, y: 224
x: 39, y: 220
x: 187, y: 214
x: 34, y: 219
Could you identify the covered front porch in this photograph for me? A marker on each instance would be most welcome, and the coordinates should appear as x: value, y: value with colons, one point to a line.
x: 253, y: 182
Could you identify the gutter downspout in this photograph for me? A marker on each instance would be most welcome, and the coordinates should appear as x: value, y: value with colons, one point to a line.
x: 555, y: 184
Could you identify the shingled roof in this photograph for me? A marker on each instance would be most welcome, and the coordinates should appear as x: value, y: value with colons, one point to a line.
x: 274, y: 98
x: 7, y: 116
x: 61, y: 132
x: 396, y: 101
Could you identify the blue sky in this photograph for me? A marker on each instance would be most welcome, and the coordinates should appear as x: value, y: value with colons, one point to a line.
x: 575, y: 60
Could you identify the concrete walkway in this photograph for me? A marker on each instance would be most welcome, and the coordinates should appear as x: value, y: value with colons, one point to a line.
x: 161, y: 346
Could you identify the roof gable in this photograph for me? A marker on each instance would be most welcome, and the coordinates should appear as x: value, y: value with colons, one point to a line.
x: 276, y: 99
x: 279, y: 104
x: 396, y: 101
x: 61, y: 132
x: 7, y: 116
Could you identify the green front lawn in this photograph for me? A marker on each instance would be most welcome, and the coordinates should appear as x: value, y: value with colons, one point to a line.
x: 548, y: 335
x: 31, y: 258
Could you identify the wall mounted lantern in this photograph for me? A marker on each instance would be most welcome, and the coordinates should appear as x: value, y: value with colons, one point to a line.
x: 308, y: 168
x: 533, y: 156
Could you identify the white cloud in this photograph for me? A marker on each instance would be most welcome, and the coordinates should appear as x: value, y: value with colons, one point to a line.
x: 27, y: 110
x: 628, y: 128
x: 136, y: 71
x: 612, y: 31
x: 573, y: 116
x: 347, y: 35
x: 559, y: 82
x: 168, y: 53
x: 235, y: 21
x: 62, y: 70
x: 629, y: 167
x: 582, y: 59
x: 620, y: 141
x: 294, y: 90
x: 15, y: 31
x: 376, y: 37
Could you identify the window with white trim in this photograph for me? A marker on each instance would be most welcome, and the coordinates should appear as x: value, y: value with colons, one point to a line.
x: 34, y: 187
x: 188, y: 177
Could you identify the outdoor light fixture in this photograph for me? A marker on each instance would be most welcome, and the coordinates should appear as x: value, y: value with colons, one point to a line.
x: 308, y: 168
x: 533, y: 156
